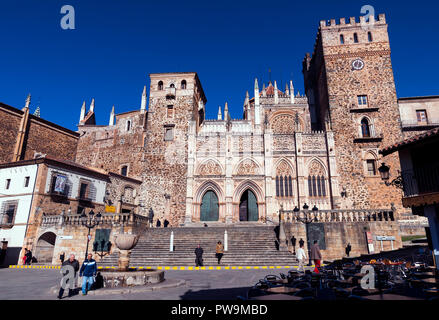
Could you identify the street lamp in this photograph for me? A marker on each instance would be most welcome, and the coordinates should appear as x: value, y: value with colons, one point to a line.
x: 307, y: 221
x: 90, y: 222
x: 385, y: 176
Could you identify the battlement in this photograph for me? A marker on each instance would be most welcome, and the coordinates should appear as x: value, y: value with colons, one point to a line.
x: 353, y: 22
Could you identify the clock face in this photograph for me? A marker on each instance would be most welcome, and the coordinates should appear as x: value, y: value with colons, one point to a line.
x: 358, y: 64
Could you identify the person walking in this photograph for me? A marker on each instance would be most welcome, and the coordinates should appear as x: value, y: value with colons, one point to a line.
x: 198, y: 256
x: 88, y: 271
x: 158, y: 223
x: 61, y: 257
x: 24, y: 256
x: 151, y: 217
x: 348, y: 249
x: 301, y: 242
x: 293, y: 243
x: 316, y: 256
x: 75, y: 265
x: 219, y: 251
x: 301, y: 256
x: 28, y: 257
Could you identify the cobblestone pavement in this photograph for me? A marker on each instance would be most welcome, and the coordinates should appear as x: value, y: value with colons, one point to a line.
x: 33, y: 284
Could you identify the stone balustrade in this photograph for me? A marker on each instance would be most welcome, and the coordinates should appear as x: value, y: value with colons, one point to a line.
x: 106, y: 219
x: 338, y: 215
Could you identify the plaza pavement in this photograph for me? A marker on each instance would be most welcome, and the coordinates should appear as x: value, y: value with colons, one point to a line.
x: 38, y: 284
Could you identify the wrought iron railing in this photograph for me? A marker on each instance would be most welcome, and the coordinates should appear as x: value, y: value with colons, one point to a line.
x: 415, y: 123
x: 421, y: 180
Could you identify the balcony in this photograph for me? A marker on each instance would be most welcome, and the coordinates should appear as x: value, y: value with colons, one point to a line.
x: 421, y: 186
x: 419, y: 125
x: 170, y: 93
x: 377, y: 137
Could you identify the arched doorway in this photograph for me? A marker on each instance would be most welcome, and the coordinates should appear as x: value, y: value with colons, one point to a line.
x: 209, y: 207
x: 45, y: 246
x: 248, y: 207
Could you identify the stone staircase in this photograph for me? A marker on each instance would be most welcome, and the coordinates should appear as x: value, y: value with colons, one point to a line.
x: 248, y: 245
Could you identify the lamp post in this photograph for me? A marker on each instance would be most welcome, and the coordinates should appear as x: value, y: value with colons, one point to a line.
x: 385, y: 176
x: 90, y: 222
x: 307, y: 220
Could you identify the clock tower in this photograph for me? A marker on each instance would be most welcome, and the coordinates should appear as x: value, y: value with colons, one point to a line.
x: 351, y: 90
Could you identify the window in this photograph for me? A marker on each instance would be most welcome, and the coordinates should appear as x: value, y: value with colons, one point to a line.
x: 128, y: 125
x: 369, y: 36
x: 170, y: 111
x: 421, y: 115
x: 26, y: 182
x: 8, y: 183
x: 365, y: 128
x: 124, y: 171
x: 169, y: 133
x: 284, y: 186
x: 58, y: 184
x: 362, y: 101
x: 316, y: 186
x: 172, y: 85
x: 84, y: 189
x: 8, y: 211
x: 342, y: 39
x: 371, y: 167
x: 355, y: 38
x: 160, y: 85
x: 183, y: 84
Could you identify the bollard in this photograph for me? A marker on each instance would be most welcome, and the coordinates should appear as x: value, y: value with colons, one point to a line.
x: 225, y: 240
x: 171, y: 244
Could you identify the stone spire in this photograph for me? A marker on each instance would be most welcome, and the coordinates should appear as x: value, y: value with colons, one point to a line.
x: 226, y: 112
x: 292, y: 91
x: 220, y: 115
x: 257, y: 108
x: 37, y: 112
x: 81, y: 118
x: 264, y: 93
x: 286, y: 89
x: 143, y: 103
x: 276, y: 93
x: 92, y: 105
x: 111, y: 123
x: 26, y: 106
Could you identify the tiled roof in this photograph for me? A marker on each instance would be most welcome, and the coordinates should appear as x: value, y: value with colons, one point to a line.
x: 413, y: 140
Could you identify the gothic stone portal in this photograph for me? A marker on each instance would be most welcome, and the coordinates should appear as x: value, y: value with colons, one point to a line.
x: 248, y: 207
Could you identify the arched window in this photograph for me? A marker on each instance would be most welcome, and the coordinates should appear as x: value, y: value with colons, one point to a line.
x: 369, y: 36
x: 160, y: 85
x: 342, y: 39
x: 124, y: 171
x: 365, y: 128
x: 284, y: 186
x: 183, y: 84
x: 355, y: 38
x: 172, y: 85
x: 316, y: 186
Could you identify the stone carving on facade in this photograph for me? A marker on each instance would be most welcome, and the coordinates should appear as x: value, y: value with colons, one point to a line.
x: 210, y: 168
x: 313, y: 143
x: 283, y: 143
x: 283, y: 124
x: 284, y: 169
x: 247, y: 167
x: 316, y: 169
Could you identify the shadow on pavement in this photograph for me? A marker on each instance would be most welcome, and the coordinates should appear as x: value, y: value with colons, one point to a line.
x: 215, y: 294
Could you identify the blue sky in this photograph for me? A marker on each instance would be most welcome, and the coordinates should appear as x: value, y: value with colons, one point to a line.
x: 116, y: 44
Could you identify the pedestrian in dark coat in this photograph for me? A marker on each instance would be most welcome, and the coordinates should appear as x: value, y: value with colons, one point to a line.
x: 61, y: 257
x: 75, y: 265
x: 158, y: 223
x: 151, y: 217
x: 28, y: 257
x: 348, y: 249
x: 198, y: 256
x: 88, y: 273
x: 301, y: 242
x: 316, y: 256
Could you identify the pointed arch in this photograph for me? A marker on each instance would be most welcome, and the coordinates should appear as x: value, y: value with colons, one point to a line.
x: 284, y: 173
x: 209, y: 186
x: 317, y: 178
x: 210, y: 167
x: 283, y: 166
x: 283, y: 122
x: 318, y: 165
x: 366, y: 127
x: 247, y: 166
x: 248, y: 185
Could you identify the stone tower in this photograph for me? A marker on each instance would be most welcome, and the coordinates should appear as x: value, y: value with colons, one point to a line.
x: 176, y: 106
x: 351, y: 91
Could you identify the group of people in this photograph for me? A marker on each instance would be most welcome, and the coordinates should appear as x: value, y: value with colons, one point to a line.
x: 219, y: 252
x: 315, y: 255
x: 158, y: 222
x: 88, y: 273
x: 28, y: 258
